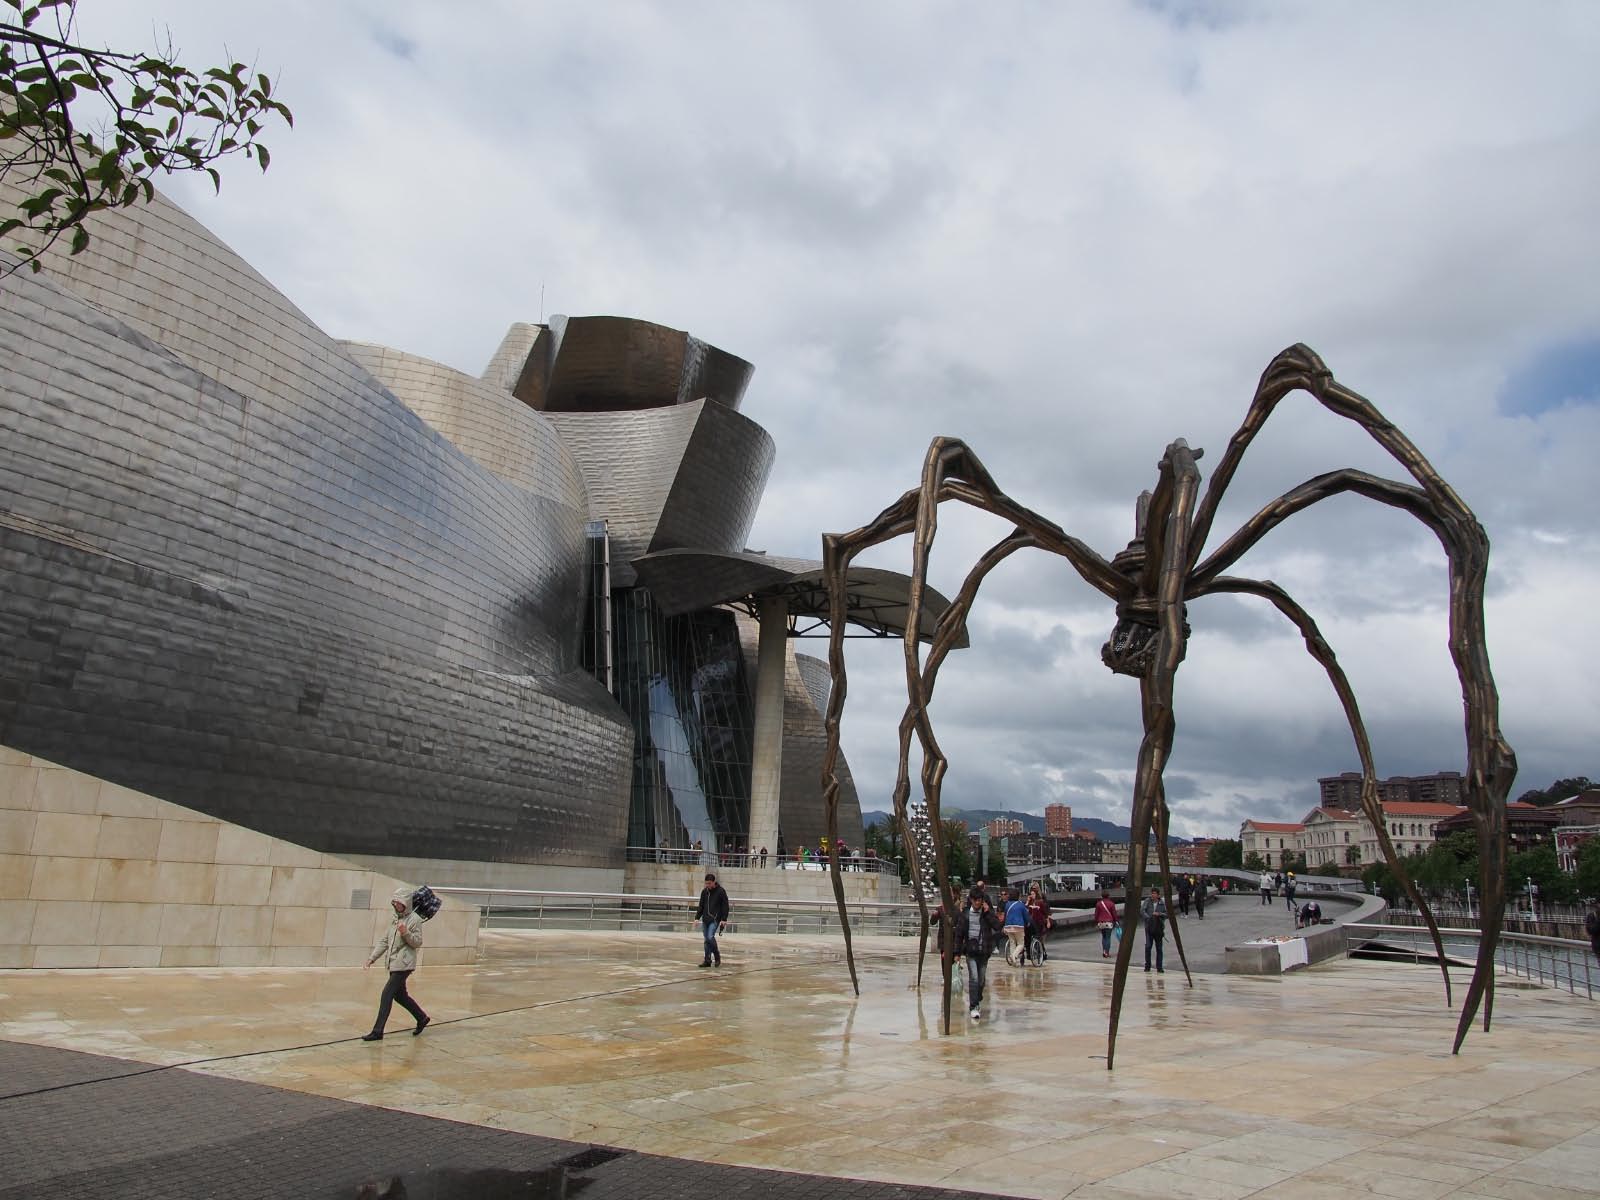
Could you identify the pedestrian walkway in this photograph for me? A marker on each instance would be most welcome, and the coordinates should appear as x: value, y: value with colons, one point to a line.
x: 1330, y: 1083
x: 1229, y: 921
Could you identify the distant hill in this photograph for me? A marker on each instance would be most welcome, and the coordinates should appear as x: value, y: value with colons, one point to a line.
x: 1106, y: 831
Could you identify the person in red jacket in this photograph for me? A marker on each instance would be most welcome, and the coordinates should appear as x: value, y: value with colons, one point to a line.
x: 1105, y: 920
x: 1038, y: 918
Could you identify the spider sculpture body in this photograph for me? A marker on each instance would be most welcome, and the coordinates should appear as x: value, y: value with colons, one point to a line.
x: 1151, y: 581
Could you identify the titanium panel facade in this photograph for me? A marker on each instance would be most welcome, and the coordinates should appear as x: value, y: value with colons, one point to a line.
x: 240, y: 575
x: 689, y: 474
x: 336, y: 592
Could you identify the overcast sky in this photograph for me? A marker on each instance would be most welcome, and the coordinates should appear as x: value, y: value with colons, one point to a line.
x: 1063, y: 233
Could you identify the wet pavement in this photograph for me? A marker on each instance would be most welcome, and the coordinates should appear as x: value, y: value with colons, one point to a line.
x: 769, y: 1075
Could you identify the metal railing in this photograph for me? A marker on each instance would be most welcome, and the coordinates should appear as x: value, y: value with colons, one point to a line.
x: 716, y: 859
x: 1556, y: 962
x: 630, y: 912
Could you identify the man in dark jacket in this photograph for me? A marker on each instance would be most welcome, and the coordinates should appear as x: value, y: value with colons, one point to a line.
x: 976, y: 930
x: 712, y: 913
x: 1153, y: 912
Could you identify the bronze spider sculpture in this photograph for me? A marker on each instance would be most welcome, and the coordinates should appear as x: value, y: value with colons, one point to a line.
x: 1151, y: 582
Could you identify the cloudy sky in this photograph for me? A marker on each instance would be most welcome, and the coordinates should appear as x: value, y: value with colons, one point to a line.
x: 1064, y: 233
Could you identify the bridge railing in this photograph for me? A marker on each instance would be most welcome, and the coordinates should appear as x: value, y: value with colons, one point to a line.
x: 713, y: 860
x: 1556, y: 962
x: 626, y: 911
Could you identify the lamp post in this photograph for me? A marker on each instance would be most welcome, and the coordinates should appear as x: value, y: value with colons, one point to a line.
x: 1471, y: 916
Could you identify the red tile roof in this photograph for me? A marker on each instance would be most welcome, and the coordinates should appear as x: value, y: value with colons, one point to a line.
x: 1277, y: 826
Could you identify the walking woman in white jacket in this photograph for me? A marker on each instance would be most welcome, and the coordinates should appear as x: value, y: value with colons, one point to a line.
x: 399, y: 943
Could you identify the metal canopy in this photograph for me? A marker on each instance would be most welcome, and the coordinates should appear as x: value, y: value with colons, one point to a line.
x: 877, y: 600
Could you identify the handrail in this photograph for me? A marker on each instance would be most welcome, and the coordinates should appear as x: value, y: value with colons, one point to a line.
x: 663, y: 898
x: 524, y: 907
x: 1559, y: 961
x: 741, y: 860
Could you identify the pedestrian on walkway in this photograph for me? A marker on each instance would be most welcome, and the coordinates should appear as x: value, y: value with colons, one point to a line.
x: 977, y: 929
x: 712, y: 913
x: 1016, y: 926
x: 1039, y: 920
x: 1153, y: 911
x: 1591, y: 926
x: 398, y: 947
x: 1105, y: 920
x: 1200, y: 891
x: 1185, y: 890
x: 1288, y: 891
x: 1266, y: 887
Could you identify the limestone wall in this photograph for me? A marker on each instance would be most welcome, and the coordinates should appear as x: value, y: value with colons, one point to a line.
x: 96, y: 875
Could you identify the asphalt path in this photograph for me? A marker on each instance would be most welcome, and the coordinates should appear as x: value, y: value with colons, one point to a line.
x: 1228, y: 921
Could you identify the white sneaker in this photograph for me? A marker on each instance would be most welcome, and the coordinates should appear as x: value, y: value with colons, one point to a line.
x: 975, y: 1014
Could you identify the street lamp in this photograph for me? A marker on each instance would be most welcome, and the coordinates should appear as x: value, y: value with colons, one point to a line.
x: 1471, y: 916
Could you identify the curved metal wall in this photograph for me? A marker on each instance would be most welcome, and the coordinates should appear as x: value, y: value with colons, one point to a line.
x: 242, y: 576
x: 688, y: 474
x: 488, y: 424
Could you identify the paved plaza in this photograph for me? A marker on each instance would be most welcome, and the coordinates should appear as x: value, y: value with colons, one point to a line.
x: 1325, y: 1084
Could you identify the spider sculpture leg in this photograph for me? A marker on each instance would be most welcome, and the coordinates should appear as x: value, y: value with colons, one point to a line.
x: 1491, y: 763
x: 1319, y: 649
x: 1163, y: 853
x: 1166, y: 541
x: 950, y: 471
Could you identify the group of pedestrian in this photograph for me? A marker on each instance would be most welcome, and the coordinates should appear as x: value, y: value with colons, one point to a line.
x: 1193, y: 889
x: 977, y: 928
x: 1270, y: 883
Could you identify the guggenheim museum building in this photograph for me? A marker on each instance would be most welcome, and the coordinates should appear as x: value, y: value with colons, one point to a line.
x: 484, y: 629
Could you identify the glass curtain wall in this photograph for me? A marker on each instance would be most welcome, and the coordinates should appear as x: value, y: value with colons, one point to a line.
x: 682, y: 682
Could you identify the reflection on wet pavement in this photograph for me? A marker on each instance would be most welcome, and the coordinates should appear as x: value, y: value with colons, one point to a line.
x: 1333, y: 1081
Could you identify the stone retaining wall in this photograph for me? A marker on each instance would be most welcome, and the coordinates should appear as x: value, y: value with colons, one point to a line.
x: 97, y: 875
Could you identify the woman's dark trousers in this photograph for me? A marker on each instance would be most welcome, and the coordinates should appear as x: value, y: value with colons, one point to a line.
x: 394, y: 992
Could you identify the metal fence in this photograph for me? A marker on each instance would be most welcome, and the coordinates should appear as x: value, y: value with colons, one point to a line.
x: 714, y: 859
x: 631, y: 912
x: 1555, y: 962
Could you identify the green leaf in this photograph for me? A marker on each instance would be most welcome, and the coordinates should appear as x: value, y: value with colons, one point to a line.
x: 262, y: 156
x: 216, y: 179
x: 264, y: 84
x: 80, y: 240
x: 7, y: 226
